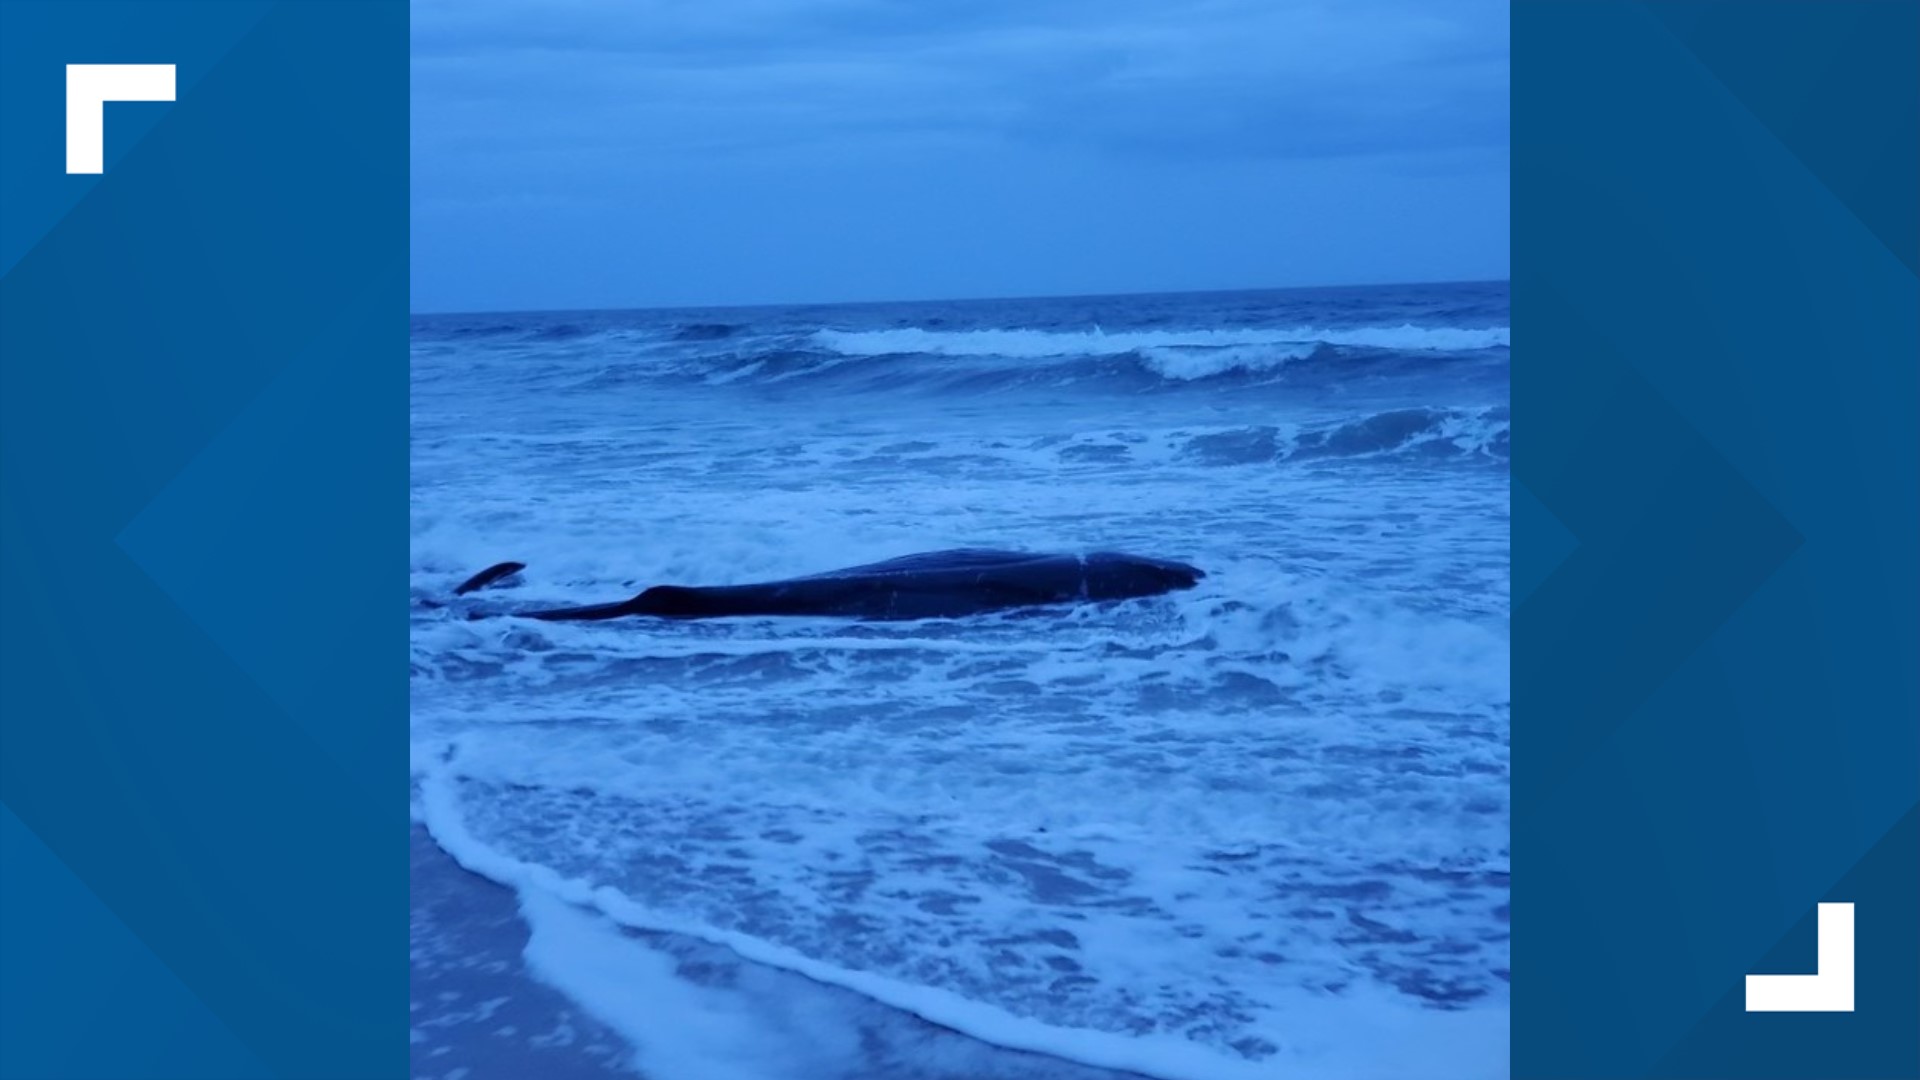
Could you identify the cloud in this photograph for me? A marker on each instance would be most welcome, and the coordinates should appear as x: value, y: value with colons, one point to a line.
x: 1227, y: 77
x: 640, y: 150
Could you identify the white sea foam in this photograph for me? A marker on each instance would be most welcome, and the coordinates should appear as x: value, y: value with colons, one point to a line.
x: 682, y: 1029
x: 1187, y: 363
x: 679, y: 1029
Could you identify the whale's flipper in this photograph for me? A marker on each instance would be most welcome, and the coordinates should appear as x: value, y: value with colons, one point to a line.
x: 488, y: 576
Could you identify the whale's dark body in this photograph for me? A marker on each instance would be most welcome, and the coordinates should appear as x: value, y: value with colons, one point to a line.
x: 941, y: 584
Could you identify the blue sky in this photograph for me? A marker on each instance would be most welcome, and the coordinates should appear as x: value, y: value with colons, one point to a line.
x: 639, y: 153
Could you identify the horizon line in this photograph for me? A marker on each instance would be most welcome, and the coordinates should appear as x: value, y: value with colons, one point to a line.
x: 957, y: 299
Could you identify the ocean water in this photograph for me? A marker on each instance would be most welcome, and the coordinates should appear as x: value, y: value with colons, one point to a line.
x: 1255, y: 829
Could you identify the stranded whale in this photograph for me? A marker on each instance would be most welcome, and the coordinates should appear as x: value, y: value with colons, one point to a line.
x: 940, y: 584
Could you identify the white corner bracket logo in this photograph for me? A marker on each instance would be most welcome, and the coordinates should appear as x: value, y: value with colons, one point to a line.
x: 1829, y: 988
x: 89, y: 88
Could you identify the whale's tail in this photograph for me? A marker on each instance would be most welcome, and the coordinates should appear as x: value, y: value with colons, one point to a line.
x: 490, y: 576
x: 587, y: 613
x: 660, y: 600
x: 665, y: 601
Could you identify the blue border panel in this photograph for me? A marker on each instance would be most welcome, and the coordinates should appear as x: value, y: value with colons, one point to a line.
x: 1717, y: 518
x: 202, y: 503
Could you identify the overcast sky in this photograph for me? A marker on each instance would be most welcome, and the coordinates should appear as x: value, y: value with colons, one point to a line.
x: 639, y: 153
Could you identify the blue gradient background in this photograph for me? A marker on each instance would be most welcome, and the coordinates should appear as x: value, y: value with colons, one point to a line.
x: 202, y: 476
x: 1716, y: 532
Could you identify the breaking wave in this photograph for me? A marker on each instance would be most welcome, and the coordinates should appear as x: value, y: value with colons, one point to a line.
x: 1432, y: 433
x: 1040, y: 344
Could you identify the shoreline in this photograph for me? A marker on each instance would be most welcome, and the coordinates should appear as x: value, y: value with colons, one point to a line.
x: 479, y: 1013
x: 474, y: 1006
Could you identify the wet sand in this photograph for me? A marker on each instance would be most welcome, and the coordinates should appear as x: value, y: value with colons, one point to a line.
x: 476, y: 1012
